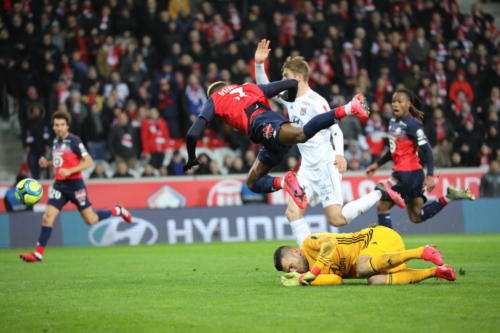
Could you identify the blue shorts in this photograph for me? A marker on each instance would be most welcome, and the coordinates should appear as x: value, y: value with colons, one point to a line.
x: 73, y: 190
x: 265, y: 129
x: 410, y: 184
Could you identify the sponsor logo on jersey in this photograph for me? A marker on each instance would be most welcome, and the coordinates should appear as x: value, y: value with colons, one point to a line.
x: 303, y: 111
x: 267, y: 131
x: 115, y: 231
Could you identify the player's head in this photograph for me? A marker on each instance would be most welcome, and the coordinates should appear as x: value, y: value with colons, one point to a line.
x: 402, y: 104
x: 290, y: 259
x: 216, y: 86
x: 296, y: 68
x: 61, y: 120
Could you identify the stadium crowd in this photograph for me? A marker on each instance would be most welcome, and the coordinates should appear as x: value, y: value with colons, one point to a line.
x: 133, y: 74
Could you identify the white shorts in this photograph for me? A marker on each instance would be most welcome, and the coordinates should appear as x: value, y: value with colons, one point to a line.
x: 323, y: 183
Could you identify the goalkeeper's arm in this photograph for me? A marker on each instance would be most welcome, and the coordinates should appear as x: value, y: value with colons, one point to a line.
x: 326, y: 244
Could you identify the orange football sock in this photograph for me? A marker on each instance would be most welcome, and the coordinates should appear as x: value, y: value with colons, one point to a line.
x: 388, y: 260
x: 409, y: 275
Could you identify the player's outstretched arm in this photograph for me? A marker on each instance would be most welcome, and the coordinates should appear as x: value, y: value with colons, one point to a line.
x: 194, y: 133
x: 288, y: 86
x: 261, y: 55
x: 44, y: 163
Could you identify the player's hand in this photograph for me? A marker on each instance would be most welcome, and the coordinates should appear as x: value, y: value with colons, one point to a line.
x: 63, y: 172
x: 190, y: 164
x: 370, y: 171
x: 42, y: 162
x: 262, y: 51
x: 429, y: 183
x: 341, y: 163
x: 290, y: 279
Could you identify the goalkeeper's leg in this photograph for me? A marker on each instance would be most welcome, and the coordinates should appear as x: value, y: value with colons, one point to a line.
x: 371, y: 265
x: 409, y: 275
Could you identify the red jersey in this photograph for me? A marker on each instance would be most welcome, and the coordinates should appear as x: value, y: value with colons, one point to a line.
x: 154, y: 135
x: 231, y: 101
x: 67, y: 153
x: 405, y: 135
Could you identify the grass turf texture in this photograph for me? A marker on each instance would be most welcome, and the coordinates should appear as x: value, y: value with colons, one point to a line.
x: 231, y: 287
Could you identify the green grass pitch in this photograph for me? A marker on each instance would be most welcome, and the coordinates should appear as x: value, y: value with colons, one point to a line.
x: 232, y: 287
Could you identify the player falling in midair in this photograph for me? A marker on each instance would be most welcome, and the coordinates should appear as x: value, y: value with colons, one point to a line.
x: 246, y: 108
x: 321, y: 165
x: 69, y: 158
x: 406, y: 135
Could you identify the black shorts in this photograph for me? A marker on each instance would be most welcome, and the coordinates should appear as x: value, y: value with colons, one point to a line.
x: 73, y: 190
x: 265, y: 129
x: 410, y: 184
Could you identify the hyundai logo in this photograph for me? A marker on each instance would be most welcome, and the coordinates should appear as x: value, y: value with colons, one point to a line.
x: 115, y: 231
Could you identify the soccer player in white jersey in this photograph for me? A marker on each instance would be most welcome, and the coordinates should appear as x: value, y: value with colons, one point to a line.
x: 322, y: 166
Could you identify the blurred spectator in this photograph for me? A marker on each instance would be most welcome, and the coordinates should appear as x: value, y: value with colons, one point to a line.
x: 176, y: 166
x: 36, y: 137
x: 154, y: 135
x: 149, y: 171
x: 204, y: 167
x: 95, y: 132
x: 123, y: 141
x: 375, y: 134
x: 99, y: 172
x: 443, y: 153
x: 439, y: 129
x: 214, y: 168
x: 195, y: 97
x: 78, y: 111
x: 117, y: 87
x: 122, y: 170
x: 490, y: 182
x: 237, y: 166
x: 460, y: 84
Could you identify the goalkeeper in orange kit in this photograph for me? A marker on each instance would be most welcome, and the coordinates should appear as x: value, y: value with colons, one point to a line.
x: 376, y: 253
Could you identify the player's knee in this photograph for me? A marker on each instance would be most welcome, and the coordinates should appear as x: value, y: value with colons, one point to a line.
x: 376, y: 279
x: 48, y: 219
x: 415, y: 217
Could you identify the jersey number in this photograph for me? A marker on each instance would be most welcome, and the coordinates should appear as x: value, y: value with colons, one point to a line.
x: 392, y: 144
x: 240, y: 93
x: 54, y: 194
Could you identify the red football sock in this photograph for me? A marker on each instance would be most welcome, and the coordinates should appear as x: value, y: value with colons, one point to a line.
x: 277, y: 181
x: 115, y: 211
x: 40, y: 249
x: 340, y: 112
x: 443, y: 201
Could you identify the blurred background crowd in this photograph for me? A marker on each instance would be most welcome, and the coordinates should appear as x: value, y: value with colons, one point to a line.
x: 133, y: 73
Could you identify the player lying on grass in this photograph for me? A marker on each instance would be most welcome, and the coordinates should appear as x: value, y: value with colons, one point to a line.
x: 246, y: 108
x: 321, y: 165
x: 69, y: 159
x: 376, y: 253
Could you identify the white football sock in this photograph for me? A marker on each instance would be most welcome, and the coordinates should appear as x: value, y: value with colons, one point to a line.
x: 347, y: 109
x: 300, y: 229
x: 357, y: 207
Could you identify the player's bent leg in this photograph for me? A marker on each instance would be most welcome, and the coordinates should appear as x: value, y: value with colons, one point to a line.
x: 89, y: 216
x: 414, y: 209
x: 257, y: 178
x: 409, y: 275
x: 49, y: 216
x: 291, y: 134
x: 333, y: 214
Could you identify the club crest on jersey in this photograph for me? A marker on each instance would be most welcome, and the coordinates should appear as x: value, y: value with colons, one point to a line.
x: 303, y: 111
x: 267, y: 131
x: 81, y: 195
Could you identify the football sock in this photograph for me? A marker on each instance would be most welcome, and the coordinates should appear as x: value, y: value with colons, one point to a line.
x: 105, y: 213
x: 319, y: 122
x: 43, y: 239
x: 278, y: 183
x: 300, y: 229
x: 353, y: 209
x: 385, y: 220
x: 431, y: 209
x: 389, y: 260
x: 409, y: 275
x: 264, y: 184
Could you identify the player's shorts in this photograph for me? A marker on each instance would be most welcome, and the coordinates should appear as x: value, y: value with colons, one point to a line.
x: 410, y: 184
x: 383, y: 240
x: 73, y: 190
x: 265, y: 129
x: 323, y: 183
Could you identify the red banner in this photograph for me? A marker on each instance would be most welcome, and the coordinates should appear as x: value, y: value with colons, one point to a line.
x: 225, y: 191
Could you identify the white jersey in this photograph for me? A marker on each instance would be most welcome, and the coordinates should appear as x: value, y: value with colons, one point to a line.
x: 317, y: 172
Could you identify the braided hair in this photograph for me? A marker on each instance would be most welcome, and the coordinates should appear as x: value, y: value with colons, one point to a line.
x: 419, y: 114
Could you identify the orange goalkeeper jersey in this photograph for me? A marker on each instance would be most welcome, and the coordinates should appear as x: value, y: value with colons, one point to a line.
x: 336, y: 253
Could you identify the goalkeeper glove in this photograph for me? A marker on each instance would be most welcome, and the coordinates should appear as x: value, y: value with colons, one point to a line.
x: 294, y: 279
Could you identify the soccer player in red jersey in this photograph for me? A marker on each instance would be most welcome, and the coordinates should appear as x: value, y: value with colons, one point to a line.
x: 246, y: 108
x: 69, y: 158
x: 406, y: 136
